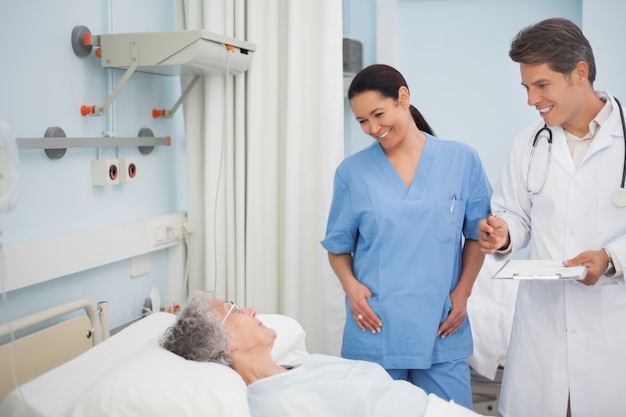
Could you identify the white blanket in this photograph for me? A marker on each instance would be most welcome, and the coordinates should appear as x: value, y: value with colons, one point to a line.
x: 327, y: 386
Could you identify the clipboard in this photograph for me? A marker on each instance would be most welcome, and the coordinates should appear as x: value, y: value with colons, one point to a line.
x: 540, y: 269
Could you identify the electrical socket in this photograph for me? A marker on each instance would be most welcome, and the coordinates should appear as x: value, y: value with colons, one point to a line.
x: 128, y: 170
x: 174, y: 232
x: 167, y: 233
x: 105, y: 172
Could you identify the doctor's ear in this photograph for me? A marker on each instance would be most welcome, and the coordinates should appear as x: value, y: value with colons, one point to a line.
x: 580, y: 73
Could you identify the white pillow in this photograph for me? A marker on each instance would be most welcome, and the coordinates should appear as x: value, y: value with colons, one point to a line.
x: 155, y: 382
x: 289, y: 344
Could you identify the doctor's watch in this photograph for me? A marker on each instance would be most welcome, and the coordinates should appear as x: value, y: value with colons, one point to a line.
x: 610, y: 266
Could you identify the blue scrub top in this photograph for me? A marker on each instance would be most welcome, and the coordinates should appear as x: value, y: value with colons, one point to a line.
x: 406, y: 246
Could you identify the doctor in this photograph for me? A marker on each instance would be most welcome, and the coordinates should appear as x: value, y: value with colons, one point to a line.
x: 567, y: 354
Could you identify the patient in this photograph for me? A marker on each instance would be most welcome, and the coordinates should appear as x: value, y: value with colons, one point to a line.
x: 208, y: 329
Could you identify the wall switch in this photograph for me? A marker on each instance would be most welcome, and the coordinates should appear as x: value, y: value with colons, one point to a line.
x: 128, y: 170
x: 105, y: 172
x: 140, y: 265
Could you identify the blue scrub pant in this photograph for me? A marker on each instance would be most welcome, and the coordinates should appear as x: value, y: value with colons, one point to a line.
x: 448, y: 380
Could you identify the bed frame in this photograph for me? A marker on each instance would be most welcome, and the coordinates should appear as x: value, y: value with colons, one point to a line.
x: 486, y: 393
x: 21, y: 359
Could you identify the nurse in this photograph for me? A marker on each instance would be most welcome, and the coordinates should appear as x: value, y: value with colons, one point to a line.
x: 402, y: 239
x: 567, y: 353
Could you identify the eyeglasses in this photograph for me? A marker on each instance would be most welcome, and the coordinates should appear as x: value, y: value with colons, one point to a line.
x: 233, y: 306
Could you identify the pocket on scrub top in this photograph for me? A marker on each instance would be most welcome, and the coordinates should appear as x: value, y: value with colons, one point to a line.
x: 450, y: 214
x: 613, y: 311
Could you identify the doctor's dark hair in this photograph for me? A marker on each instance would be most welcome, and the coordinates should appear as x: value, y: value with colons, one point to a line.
x: 198, y: 334
x: 386, y: 81
x: 557, y: 42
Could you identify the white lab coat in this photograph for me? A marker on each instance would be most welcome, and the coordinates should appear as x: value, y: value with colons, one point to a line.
x: 566, y: 337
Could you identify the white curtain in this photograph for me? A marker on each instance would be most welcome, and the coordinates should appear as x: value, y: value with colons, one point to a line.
x: 262, y: 150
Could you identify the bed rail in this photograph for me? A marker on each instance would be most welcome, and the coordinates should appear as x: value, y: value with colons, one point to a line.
x: 22, y: 359
x: 56, y: 312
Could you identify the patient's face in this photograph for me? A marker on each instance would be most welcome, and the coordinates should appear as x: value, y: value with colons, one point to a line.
x: 244, y: 329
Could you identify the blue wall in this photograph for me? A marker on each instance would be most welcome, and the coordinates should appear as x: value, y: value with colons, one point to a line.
x: 43, y: 84
x: 454, y: 55
x: 459, y: 71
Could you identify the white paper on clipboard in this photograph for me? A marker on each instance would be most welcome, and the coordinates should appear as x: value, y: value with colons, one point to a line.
x: 540, y: 269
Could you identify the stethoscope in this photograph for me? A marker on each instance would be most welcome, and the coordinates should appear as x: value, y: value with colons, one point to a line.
x: 619, y: 197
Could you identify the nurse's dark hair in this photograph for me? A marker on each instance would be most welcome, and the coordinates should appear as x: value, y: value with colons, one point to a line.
x: 557, y: 42
x: 386, y: 81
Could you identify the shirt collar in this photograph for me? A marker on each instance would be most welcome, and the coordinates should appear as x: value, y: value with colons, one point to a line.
x: 600, y: 118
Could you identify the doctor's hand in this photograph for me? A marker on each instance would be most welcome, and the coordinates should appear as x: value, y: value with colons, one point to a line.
x: 363, y: 315
x: 595, y: 260
x: 493, y: 234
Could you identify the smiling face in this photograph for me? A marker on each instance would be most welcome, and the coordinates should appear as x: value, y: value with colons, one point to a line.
x: 558, y: 97
x: 384, y: 119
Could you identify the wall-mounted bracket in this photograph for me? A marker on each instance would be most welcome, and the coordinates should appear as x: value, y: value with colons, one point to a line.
x: 167, y: 114
x: 80, y: 41
x: 55, y: 143
x: 54, y: 132
x: 144, y: 132
x: 134, y: 63
x: 182, y: 52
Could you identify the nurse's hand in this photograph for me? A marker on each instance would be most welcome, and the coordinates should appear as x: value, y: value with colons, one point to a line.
x: 493, y: 234
x: 457, y: 315
x: 595, y: 260
x: 363, y: 315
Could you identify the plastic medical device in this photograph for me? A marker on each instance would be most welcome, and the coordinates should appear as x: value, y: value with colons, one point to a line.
x: 9, y: 171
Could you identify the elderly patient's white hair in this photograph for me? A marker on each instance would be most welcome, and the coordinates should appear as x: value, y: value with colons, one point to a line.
x: 198, y: 333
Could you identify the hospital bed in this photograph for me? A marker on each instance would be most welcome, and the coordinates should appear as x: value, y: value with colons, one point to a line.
x: 126, y: 374
x: 75, y: 368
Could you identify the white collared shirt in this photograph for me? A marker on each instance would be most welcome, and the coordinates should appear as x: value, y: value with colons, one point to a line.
x: 578, y: 146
